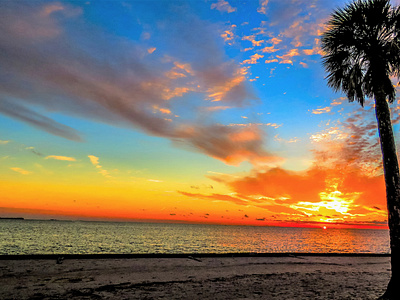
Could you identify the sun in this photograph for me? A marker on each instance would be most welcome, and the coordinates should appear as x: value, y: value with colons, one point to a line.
x: 324, y: 227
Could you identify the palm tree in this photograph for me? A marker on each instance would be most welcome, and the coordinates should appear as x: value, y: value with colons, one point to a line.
x: 361, y: 52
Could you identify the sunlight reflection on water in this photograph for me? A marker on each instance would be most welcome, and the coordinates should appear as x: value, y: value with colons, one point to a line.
x: 78, y: 237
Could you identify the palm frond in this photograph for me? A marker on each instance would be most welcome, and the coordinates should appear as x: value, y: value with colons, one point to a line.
x: 362, y: 49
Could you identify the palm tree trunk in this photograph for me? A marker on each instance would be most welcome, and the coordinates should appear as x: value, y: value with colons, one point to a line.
x: 392, y: 181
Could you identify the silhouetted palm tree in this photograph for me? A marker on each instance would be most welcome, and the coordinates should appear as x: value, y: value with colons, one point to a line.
x: 362, y: 52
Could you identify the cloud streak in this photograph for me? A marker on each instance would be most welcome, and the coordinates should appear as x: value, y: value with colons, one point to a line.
x: 37, y: 120
x: 95, y: 162
x: 230, y: 144
x: 223, y: 6
x: 119, y: 85
x: 58, y: 157
x: 21, y: 171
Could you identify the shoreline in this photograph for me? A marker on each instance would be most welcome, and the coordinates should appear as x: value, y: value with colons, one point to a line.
x: 196, y: 276
x: 182, y: 255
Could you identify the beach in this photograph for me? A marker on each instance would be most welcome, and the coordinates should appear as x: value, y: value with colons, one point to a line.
x: 196, y: 277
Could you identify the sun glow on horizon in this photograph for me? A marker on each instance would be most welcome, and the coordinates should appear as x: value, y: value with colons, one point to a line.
x: 230, y: 130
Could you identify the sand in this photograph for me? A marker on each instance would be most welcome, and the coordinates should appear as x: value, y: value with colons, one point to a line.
x: 290, y: 277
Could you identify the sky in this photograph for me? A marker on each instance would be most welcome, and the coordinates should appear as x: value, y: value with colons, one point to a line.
x: 205, y: 111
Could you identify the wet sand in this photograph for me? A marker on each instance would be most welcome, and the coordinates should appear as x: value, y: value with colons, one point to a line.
x: 196, y: 277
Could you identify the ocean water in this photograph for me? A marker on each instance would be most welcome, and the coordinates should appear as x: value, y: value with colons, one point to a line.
x: 81, y: 237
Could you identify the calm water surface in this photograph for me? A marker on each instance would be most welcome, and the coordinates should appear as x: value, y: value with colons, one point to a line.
x: 79, y: 237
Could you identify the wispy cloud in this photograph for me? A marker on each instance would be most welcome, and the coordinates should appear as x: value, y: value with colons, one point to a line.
x: 21, y: 171
x: 252, y: 39
x: 151, y: 50
x: 296, y: 28
x: 270, y: 49
x: 155, y: 180
x: 231, y: 144
x: 216, y: 108
x: 228, y: 35
x: 287, y: 57
x: 338, y: 101
x: 319, y: 111
x: 58, y: 157
x: 223, y: 6
x: 3, y: 142
x: 270, y: 61
x: 95, y: 162
x: 253, y: 59
x: 35, y: 119
x: 216, y: 197
x: 34, y: 151
x: 303, y: 64
x: 263, y: 7
x: 118, y: 85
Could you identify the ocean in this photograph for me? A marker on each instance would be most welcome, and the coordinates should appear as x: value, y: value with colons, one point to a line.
x: 84, y: 237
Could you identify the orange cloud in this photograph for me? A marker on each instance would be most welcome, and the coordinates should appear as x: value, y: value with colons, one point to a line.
x: 303, y: 64
x: 165, y: 111
x: 270, y: 49
x: 231, y: 145
x: 176, y: 92
x: 275, y: 41
x: 253, y: 59
x: 269, y: 61
x: 180, y: 70
x: 338, y: 101
x: 282, y: 184
x: 302, y: 28
x: 231, y: 88
x: 315, y: 50
x: 252, y: 39
x: 289, y: 55
x: 21, y: 171
x: 318, y: 194
x: 319, y: 111
x: 339, y: 195
x: 95, y: 161
x: 58, y: 157
x: 216, y: 108
x: 68, y: 11
x: 286, y: 61
x: 263, y: 7
x: 49, y: 9
x: 162, y: 110
x: 223, y: 6
x: 228, y: 35
x: 217, y: 197
x: 244, y: 136
x: 274, y: 125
